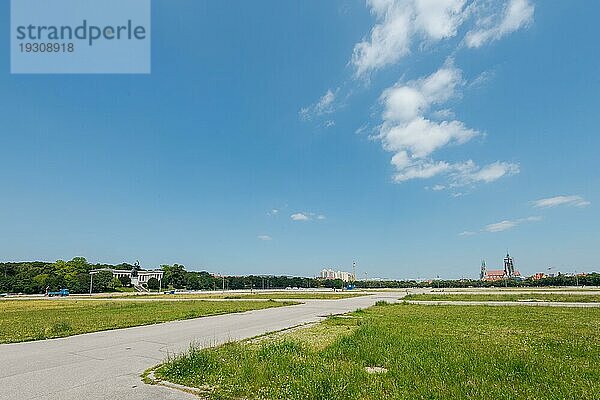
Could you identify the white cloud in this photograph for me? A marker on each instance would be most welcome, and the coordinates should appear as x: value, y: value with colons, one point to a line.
x: 325, y: 102
x: 443, y: 114
x: 306, y: 216
x: 329, y: 123
x: 273, y: 213
x: 325, y: 105
x: 482, y: 79
x: 264, y: 237
x: 421, y: 170
x: 467, y: 233
x: 575, y: 201
x: 407, y: 131
x: 404, y: 102
x: 469, y: 173
x: 414, y: 122
x: 501, y: 226
x: 509, y: 224
x: 402, y: 23
x: 299, y: 217
x: 421, y: 137
x: 515, y: 15
x: 399, y: 23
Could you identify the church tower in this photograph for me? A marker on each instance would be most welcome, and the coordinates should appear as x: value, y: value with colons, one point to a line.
x: 509, y: 266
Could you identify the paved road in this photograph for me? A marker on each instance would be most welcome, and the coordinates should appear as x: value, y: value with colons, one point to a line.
x: 107, y: 365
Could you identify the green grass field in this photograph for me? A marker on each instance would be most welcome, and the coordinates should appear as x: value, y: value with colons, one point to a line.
x: 24, y: 320
x: 430, y: 352
x: 554, y: 297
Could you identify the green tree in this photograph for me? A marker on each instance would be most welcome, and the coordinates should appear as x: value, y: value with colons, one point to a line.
x: 125, y: 281
x: 115, y: 283
x: 102, y: 281
x: 174, y: 276
x: 153, y: 284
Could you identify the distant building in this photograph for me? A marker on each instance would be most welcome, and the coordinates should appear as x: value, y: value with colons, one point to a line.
x: 137, y: 277
x: 332, y: 274
x: 494, y: 275
x: 538, y: 275
x: 509, y: 266
x: 499, y: 274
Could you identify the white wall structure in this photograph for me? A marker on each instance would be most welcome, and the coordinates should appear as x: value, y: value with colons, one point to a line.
x: 141, y: 278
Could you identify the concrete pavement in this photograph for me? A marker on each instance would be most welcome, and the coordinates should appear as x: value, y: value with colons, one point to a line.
x: 107, y: 365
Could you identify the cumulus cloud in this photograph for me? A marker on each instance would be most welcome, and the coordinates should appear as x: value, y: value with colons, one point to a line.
x: 415, y: 123
x: 264, y: 237
x: 574, y: 201
x: 325, y: 105
x: 307, y: 216
x: 409, y: 133
x: 509, y: 224
x: 490, y: 27
x: 399, y: 23
x: 468, y: 173
x: 299, y: 217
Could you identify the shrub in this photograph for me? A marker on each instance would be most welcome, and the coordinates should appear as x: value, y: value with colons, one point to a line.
x: 153, y: 284
x: 125, y: 281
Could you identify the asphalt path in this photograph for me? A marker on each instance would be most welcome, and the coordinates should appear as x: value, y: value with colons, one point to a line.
x: 108, y: 364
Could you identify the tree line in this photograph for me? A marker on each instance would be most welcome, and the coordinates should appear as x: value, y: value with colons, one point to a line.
x: 592, y: 279
x: 37, y: 277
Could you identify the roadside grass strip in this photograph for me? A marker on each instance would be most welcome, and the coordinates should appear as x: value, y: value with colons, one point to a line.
x: 524, y: 297
x: 25, y: 320
x: 408, y: 352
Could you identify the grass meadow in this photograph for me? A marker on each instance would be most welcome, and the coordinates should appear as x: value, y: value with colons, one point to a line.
x: 428, y: 352
x: 554, y: 297
x: 24, y: 320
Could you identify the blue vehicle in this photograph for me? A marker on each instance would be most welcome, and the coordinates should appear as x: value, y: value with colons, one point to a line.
x: 60, y: 293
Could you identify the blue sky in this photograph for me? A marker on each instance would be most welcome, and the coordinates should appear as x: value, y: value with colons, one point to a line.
x: 284, y: 137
